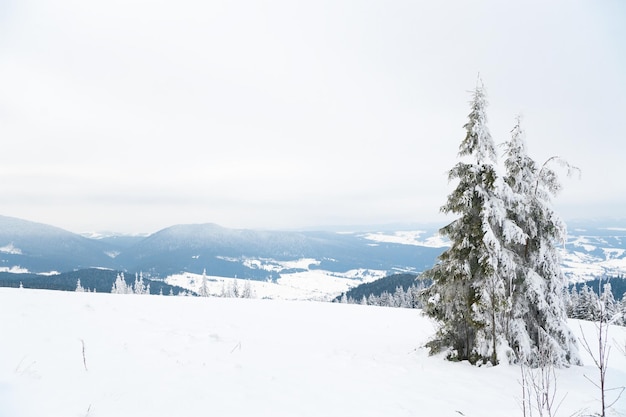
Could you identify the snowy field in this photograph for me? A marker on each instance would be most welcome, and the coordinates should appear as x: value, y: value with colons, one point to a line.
x: 83, y: 354
x: 309, y: 284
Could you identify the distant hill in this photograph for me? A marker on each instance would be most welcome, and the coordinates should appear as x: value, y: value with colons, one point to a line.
x: 196, y: 247
x: 41, y: 248
x: 228, y: 252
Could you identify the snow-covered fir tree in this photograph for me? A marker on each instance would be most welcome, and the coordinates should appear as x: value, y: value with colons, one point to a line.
x: 204, y: 287
x: 120, y: 286
x: 233, y: 289
x: 79, y: 288
x: 468, y: 295
x: 536, y: 321
x: 587, y: 306
x: 571, y: 301
x: 247, y: 291
x: 499, y: 287
x: 139, y: 287
x: 611, y: 307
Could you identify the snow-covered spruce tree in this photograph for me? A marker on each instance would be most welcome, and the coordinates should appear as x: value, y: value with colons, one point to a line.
x: 607, y: 299
x: 587, y: 305
x: 468, y: 295
x: 536, y: 323
x: 139, y: 286
x: 247, y: 291
x: 120, y: 286
x: 233, y: 290
x: 571, y: 302
x: 204, y: 288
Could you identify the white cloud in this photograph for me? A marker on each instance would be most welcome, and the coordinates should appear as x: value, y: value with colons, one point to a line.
x: 324, y: 111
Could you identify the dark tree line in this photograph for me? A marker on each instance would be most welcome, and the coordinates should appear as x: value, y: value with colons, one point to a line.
x: 93, y: 279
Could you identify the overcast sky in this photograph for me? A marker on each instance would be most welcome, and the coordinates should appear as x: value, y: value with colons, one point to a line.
x: 133, y: 115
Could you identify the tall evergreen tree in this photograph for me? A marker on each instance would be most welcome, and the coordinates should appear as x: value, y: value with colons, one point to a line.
x: 499, y: 287
x: 537, y: 322
x: 468, y: 292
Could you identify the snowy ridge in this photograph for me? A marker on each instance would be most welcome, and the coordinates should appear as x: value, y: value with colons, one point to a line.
x: 188, y: 356
x: 108, y: 234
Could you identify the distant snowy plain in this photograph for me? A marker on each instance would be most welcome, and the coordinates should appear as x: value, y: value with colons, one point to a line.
x: 85, y: 354
x: 306, y: 284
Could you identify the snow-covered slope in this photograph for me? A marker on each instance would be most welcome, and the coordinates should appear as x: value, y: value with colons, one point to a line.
x: 98, y: 355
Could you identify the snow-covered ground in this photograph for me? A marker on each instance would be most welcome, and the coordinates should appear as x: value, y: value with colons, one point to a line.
x: 308, y: 284
x: 409, y: 237
x: 579, y: 266
x: 84, y: 354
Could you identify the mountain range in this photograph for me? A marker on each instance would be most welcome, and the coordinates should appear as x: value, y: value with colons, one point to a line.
x: 594, y: 249
x: 27, y: 246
